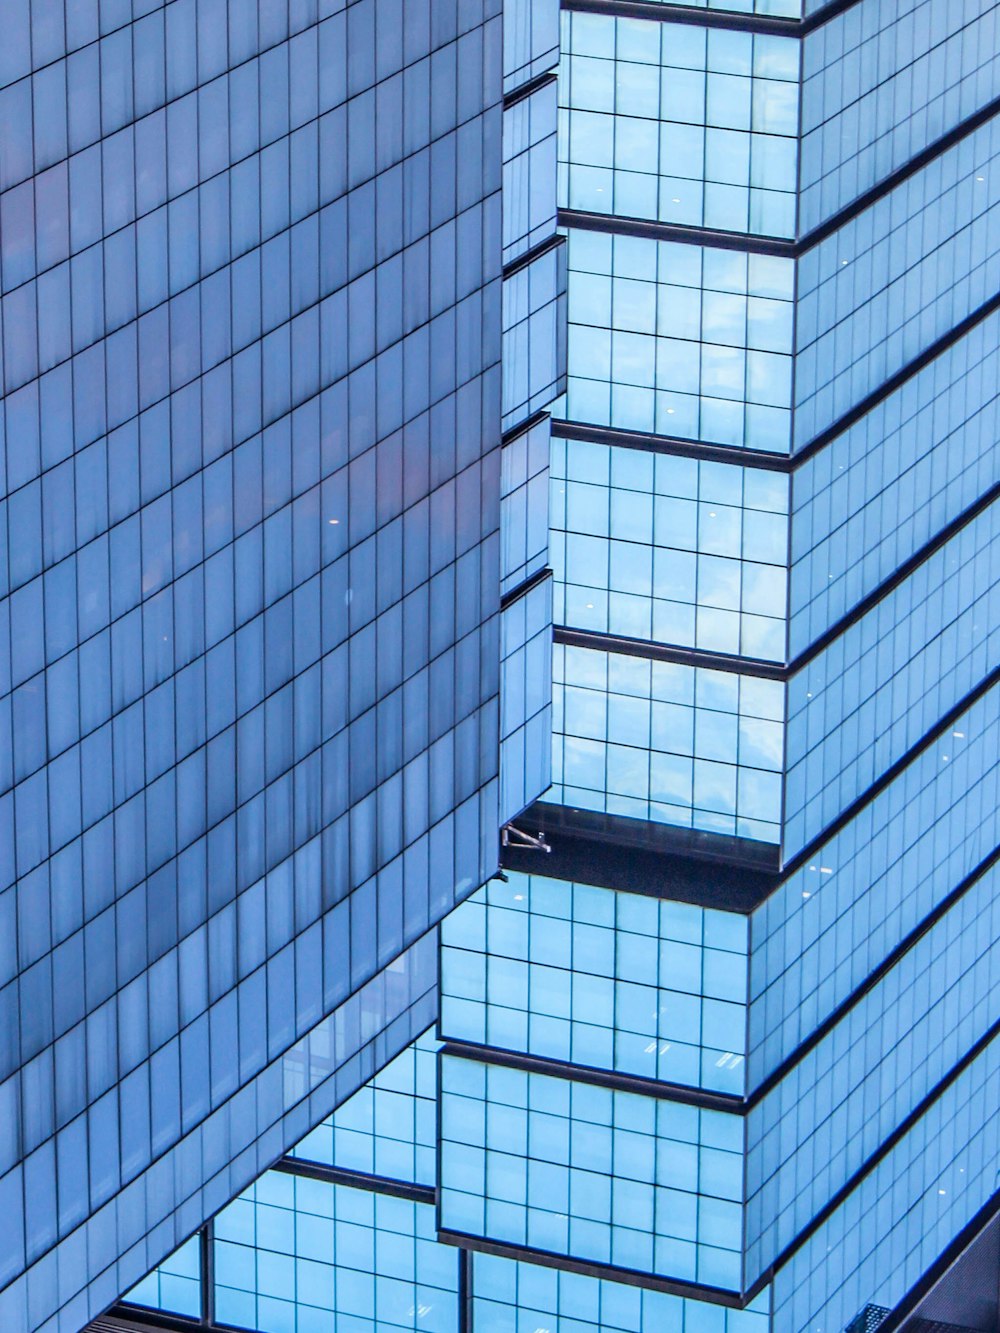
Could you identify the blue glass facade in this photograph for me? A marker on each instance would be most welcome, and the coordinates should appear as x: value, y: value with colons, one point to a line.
x: 680, y: 340
x: 680, y: 123
x: 600, y: 979
x: 605, y: 1176
x: 717, y: 1052
x: 774, y: 681
x: 252, y: 300
x: 274, y: 1250
x: 683, y: 551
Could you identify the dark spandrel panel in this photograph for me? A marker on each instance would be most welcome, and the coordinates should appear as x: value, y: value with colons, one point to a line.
x: 249, y: 635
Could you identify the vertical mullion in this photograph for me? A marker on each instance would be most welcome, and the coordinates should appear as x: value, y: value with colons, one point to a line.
x: 465, y: 1291
x: 206, y: 1242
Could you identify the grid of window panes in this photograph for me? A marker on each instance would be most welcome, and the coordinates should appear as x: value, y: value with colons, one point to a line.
x: 677, y: 550
x: 682, y: 745
x: 525, y: 699
x: 598, y: 977
x: 530, y: 40
x: 388, y: 1127
x: 524, y: 500
x: 921, y: 1194
x: 901, y: 274
x: 174, y: 1286
x: 533, y: 311
x: 683, y: 340
x: 510, y: 1294
x: 831, y: 923
x: 679, y: 123
x: 294, y: 1091
x: 209, y: 704
x: 295, y: 1255
x: 862, y: 116
x: 529, y: 171
x: 884, y: 683
x: 606, y: 1176
x: 810, y: 1135
x: 534, y: 335
x: 888, y: 484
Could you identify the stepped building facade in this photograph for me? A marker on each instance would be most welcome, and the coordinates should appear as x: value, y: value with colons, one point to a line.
x: 705, y: 800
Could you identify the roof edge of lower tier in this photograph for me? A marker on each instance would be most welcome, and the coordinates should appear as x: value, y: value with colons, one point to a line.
x: 617, y: 851
x: 665, y: 11
x: 663, y: 861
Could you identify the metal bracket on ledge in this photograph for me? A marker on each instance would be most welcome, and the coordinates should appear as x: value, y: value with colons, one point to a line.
x: 512, y: 836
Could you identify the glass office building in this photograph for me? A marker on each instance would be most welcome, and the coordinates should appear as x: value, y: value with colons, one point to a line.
x: 726, y: 1058
x: 253, y: 740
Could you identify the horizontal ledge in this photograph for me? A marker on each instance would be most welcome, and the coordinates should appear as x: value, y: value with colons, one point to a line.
x: 891, y: 960
x: 526, y: 90
x: 695, y: 657
x: 892, y: 581
x: 624, y: 860
x: 823, y: 230
x: 896, y: 381
x: 125, y: 1317
x: 522, y: 589
x: 616, y: 437
x: 745, y: 242
x: 522, y: 427
x: 929, y: 738
x: 667, y: 652
x: 778, y: 873
x: 940, y: 1268
x: 771, y: 24
x: 613, y: 1080
x: 627, y: 1276
x: 908, y: 1122
x: 359, y: 1180
x: 538, y: 251
x: 738, y: 456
